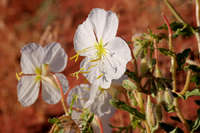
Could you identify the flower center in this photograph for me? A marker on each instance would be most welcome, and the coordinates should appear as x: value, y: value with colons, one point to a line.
x: 101, y: 51
x: 41, y: 72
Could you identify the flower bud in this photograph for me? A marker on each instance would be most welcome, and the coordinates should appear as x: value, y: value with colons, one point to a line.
x: 158, y: 112
x: 168, y: 96
x: 160, y: 97
x: 144, y: 67
x: 150, y: 115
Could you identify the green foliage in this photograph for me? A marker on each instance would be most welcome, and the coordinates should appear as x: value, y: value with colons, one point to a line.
x: 124, y: 129
x: 166, y: 52
x: 181, y: 58
x: 196, y: 79
x: 54, y: 120
x: 122, y: 105
x: 179, y: 29
x: 129, y: 85
x: 194, y: 92
x: 194, y: 68
x: 86, y: 120
x: 169, y: 128
x: 74, y: 99
x: 196, y: 124
x: 133, y: 76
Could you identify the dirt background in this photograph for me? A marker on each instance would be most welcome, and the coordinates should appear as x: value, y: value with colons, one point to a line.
x: 24, y: 21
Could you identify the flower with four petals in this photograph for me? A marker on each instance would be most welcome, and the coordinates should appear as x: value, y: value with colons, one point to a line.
x: 38, y: 65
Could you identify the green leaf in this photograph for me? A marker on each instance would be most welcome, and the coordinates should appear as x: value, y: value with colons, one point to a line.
x: 194, y: 68
x: 181, y: 57
x: 175, y: 118
x: 74, y: 99
x: 195, y: 92
x: 129, y: 85
x: 196, y: 124
x: 132, y: 75
x: 177, y: 130
x: 54, y: 120
x: 197, y: 102
x: 196, y: 79
x: 60, y: 131
x: 179, y: 29
x: 121, y: 105
x: 166, y: 127
x: 166, y: 52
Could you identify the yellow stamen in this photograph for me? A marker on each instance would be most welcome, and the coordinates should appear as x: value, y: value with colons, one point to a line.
x: 79, y: 52
x: 76, y: 74
x: 101, y: 51
x: 100, y: 75
x: 18, y: 75
x: 75, y: 57
x: 38, y: 71
x: 94, y: 60
x: 90, y: 67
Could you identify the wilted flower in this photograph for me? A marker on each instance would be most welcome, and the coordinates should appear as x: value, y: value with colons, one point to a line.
x: 106, y: 54
x: 100, y: 106
x: 38, y: 65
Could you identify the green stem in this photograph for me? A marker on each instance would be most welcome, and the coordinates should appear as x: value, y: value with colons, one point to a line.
x: 198, y: 23
x: 180, y: 19
x: 174, y: 12
x: 179, y: 114
x: 187, y: 82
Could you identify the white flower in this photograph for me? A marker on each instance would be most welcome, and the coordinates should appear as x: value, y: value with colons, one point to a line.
x: 100, y: 106
x: 38, y: 65
x: 106, y: 54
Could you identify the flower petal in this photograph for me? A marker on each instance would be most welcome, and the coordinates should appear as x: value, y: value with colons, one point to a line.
x: 50, y: 94
x: 27, y: 90
x: 101, y: 105
x: 32, y: 55
x: 119, y: 48
x: 94, y: 70
x: 55, y: 56
x: 84, y: 39
x: 104, y: 24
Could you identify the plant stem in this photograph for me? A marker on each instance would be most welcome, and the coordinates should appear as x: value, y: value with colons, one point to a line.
x: 187, y: 82
x: 174, y: 12
x: 179, y: 114
x: 173, y: 59
x: 180, y: 19
x: 198, y: 23
x: 62, y: 94
x: 100, y: 123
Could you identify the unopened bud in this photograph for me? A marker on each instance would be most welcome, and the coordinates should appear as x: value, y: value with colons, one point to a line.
x: 144, y: 66
x: 168, y: 96
x: 158, y: 112
x: 150, y: 115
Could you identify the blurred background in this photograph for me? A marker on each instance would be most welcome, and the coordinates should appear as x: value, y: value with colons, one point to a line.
x: 24, y: 21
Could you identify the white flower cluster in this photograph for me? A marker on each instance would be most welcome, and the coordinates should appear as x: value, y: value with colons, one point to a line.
x: 105, y: 59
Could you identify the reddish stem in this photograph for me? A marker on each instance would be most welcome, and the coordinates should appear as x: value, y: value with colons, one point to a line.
x: 62, y: 93
x: 168, y: 25
x: 100, y: 123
